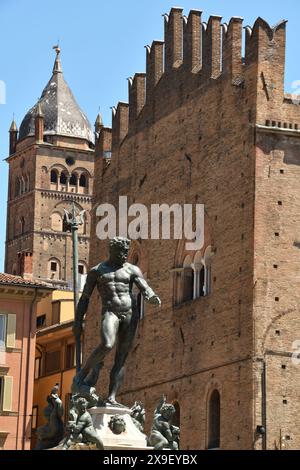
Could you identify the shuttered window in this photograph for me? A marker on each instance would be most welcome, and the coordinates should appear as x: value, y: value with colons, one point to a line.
x: 7, y: 393
x: 7, y: 331
x: 11, y: 331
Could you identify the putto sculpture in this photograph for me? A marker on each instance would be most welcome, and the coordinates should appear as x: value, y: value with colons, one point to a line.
x: 164, y: 435
x: 51, y: 433
x: 114, y: 280
x: 80, y: 428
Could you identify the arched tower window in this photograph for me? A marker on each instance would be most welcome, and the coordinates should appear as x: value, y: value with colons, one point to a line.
x: 27, y: 183
x: 17, y: 187
x: 73, y: 180
x: 83, y: 181
x: 214, y: 420
x: 22, y: 225
x: 63, y: 178
x: 53, y: 177
x: 199, y: 276
x: 83, y: 184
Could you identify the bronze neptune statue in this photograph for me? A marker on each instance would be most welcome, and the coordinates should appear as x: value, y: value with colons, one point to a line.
x: 114, y: 280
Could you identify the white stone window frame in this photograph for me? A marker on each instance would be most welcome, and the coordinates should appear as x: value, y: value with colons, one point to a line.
x: 197, y: 262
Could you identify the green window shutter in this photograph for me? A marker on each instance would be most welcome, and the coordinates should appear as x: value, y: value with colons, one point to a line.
x: 11, y: 331
x: 7, y: 393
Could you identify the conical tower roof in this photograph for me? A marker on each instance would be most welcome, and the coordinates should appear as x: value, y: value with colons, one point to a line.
x: 62, y: 115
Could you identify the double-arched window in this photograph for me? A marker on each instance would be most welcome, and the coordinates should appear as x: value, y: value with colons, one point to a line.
x: 193, y: 278
x: 22, y: 185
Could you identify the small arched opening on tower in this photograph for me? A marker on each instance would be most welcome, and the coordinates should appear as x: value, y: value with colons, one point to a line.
x: 22, y: 226
x: 17, y: 187
x: 83, y: 183
x: 54, y: 269
x: 27, y: 183
x: 63, y: 179
x: 53, y: 177
x: 73, y: 182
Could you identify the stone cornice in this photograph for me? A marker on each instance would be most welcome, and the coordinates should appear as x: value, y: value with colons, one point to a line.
x: 64, y: 195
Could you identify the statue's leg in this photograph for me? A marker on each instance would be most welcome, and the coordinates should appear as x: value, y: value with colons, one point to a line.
x: 125, y: 340
x: 92, y: 377
x: 109, y: 329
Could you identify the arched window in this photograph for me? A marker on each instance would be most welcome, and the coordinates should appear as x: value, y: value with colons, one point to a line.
x: 188, y: 280
x: 53, y: 177
x: 17, y: 187
x: 23, y: 185
x: 83, y: 181
x: 199, y: 276
x: 63, y: 178
x: 214, y: 420
x: 207, y: 261
x: 56, y: 222
x: 22, y: 225
x: 54, y: 269
x: 27, y: 183
x: 73, y: 179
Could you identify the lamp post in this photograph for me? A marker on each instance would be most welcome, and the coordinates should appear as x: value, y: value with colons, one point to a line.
x: 74, y: 220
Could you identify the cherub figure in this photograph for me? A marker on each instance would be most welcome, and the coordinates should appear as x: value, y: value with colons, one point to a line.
x: 83, y: 429
x: 163, y: 434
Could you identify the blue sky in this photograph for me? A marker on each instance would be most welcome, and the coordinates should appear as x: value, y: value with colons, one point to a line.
x: 102, y: 44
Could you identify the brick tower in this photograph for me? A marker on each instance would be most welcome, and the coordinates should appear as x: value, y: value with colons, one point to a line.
x: 51, y: 164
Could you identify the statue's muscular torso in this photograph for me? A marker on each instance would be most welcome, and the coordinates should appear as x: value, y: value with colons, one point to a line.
x: 115, y: 286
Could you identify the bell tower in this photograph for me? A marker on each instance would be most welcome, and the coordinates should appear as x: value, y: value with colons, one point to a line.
x: 51, y: 165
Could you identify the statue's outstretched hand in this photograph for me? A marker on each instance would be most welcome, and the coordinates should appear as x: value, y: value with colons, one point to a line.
x: 155, y: 300
x: 77, y: 329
